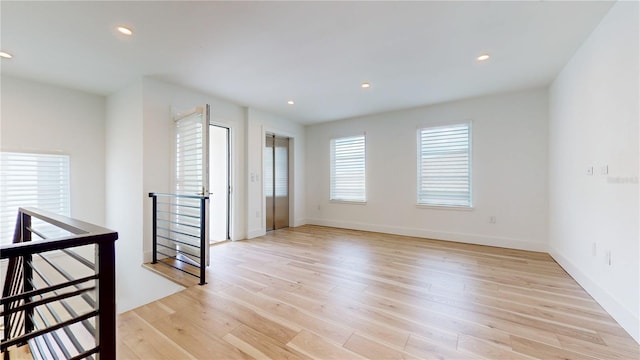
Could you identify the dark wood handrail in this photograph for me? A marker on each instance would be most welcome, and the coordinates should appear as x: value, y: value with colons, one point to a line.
x: 85, y: 234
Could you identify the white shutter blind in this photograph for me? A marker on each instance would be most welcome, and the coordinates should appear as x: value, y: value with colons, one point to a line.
x: 444, y: 165
x: 348, y: 169
x: 189, y: 155
x: 32, y: 180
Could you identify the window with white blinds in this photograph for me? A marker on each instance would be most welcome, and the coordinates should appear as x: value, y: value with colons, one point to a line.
x: 348, y: 167
x: 444, y: 165
x: 32, y: 180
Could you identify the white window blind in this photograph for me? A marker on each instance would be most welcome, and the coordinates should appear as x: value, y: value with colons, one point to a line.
x: 348, y: 167
x: 190, y: 155
x: 32, y: 180
x: 444, y: 165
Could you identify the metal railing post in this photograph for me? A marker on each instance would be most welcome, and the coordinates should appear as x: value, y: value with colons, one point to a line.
x: 154, y: 230
x: 106, y: 304
x: 27, y: 272
x: 203, y: 246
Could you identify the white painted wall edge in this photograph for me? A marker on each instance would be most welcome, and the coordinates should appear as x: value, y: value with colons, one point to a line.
x: 436, y: 235
x: 625, y: 318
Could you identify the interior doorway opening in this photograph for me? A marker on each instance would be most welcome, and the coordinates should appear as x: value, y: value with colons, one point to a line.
x: 219, y: 183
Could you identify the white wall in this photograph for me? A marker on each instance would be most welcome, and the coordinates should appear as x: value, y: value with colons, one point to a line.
x: 126, y: 199
x: 260, y: 123
x: 594, y: 122
x: 509, y: 172
x: 44, y: 118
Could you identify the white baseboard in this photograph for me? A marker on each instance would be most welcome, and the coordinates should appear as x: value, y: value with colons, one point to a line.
x: 300, y: 222
x: 255, y: 233
x: 624, y: 317
x: 437, y: 235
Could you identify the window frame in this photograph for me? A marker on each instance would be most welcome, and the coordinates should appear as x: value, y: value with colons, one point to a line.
x: 433, y: 205
x: 332, y: 143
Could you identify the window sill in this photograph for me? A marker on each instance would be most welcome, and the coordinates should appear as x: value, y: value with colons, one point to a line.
x: 351, y: 202
x: 445, y: 207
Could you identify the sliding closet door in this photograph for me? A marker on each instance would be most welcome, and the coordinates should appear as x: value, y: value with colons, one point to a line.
x: 276, y: 182
x: 268, y: 181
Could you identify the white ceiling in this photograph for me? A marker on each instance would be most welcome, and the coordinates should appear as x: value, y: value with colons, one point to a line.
x: 262, y: 54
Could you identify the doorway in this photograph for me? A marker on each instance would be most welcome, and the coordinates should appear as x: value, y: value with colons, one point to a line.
x: 276, y: 181
x: 219, y: 183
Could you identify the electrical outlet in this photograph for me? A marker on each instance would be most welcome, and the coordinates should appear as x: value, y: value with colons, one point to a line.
x: 604, y: 170
x: 609, y: 257
x: 257, y: 214
x: 492, y: 219
x: 594, y: 249
x: 590, y: 171
x: 318, y: 207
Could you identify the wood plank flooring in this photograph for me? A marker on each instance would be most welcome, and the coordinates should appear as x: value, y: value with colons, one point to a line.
x: 323, y: 293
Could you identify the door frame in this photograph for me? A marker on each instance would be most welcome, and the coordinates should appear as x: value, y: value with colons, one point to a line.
x: 229, y: 186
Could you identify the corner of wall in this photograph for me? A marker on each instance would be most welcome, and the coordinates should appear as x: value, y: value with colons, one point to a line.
x: 625, y: 318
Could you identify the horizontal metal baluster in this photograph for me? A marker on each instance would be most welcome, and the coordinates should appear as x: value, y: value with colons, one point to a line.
x: 66, y: 306
x: 66, y: 275
x: 86, y: 354
x: 24, y: 338
x: 47, y: 300
x: 41, y: 291
x: 178, y: 241
x: 80, y: 259
x: 180, y: 252
x: 177, y: 268
x: 55, y: 336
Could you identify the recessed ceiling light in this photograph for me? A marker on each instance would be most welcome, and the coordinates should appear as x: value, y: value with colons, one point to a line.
x: 5, y: 55
x: 290, y: 102
x: 365, y: 85
x: 125, y: 30
x: 483, y: 57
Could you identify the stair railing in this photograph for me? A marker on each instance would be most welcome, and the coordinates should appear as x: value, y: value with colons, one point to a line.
x: 179, y: 233
x: 59, y: 290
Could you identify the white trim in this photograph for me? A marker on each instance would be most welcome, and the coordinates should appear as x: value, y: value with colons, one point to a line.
x: 629, y: 322
x: 255, y: 233
x: 510, y: 243
x: 301, y: 222
x: 349, y: 202
x: 445, y: 207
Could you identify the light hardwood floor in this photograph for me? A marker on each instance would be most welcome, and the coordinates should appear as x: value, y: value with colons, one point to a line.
x: 326, y: 293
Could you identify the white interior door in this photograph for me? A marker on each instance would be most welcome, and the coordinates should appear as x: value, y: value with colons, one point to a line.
x: 191, y: 176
